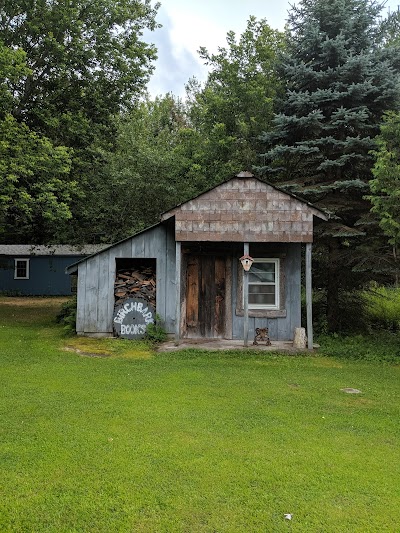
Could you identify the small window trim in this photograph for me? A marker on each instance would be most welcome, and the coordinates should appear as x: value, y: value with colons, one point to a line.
x: 276, y: 306
x: 264, y: 313
x: 16, y: 261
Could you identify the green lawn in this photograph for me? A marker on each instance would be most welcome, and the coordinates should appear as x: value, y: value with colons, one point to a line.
x: 190, y: 441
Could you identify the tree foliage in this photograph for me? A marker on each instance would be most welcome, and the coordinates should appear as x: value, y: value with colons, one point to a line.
x: 86, y: 61
x: 236, y: 103
x: 385, y: 187
x: 340, y: 77
x: 152, y: 168
x: 66, y: 69
x: 35, y: 190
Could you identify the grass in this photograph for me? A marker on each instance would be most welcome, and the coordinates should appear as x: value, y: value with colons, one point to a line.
x: 126, y: 440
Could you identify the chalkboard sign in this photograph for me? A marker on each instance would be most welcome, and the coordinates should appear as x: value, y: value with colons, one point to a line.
x: 132, y: 317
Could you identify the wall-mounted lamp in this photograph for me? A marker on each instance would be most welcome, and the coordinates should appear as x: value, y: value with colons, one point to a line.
x: 246, y: 261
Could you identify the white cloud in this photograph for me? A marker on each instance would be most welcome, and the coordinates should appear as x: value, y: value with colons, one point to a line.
x: 189, y: 24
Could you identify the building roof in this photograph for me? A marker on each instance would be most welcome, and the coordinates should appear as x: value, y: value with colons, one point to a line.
x: 244, y: 209
x: 190, y: 235
x: 246, y: 175
x: 51, y: 249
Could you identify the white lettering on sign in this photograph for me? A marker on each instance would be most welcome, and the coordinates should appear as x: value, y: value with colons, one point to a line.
x: 134, y: 306
x: 132, y: 317
x: 133, y: 329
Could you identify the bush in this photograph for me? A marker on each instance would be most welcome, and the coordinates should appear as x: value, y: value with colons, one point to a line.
x: 383, y: 347
x: 383, y: 307
x: 352, y: 315
x: 155, y: 333
x: 67, y: 315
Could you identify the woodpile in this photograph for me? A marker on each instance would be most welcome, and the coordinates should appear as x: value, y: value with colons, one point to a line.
x: 135, y: 283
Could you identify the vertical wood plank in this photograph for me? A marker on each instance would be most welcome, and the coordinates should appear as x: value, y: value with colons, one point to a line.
x: 220, y: 296
x: 178, y: 260
x: 170, y: 289
x: 228, y: 299
x: 104, y: 318
x: 309, y: 296
x: 92, y: 295
x: 81, y: 297
x: 207, y: 296
x: 192, y: 296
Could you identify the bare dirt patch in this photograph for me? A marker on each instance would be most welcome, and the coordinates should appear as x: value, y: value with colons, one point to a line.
x: 27, y: 301
x: 85, y: 354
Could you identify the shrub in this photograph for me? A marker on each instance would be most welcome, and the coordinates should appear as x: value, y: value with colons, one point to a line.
x: 156, y: 333
x: 352, y: 315
x: 383, y: 307
x: 67, y: 315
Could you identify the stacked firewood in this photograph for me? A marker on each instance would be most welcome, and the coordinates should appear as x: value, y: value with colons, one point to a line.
x: 136, y: 283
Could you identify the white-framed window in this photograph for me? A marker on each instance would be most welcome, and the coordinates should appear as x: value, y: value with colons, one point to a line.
x: 264, y: 284
x: 21, y: 269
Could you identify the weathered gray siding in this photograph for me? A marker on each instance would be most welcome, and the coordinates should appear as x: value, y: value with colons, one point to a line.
x: 96, y: 278
x: 281, y: 328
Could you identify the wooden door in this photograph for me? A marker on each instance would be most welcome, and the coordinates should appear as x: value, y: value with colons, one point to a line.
x: 205, y: 296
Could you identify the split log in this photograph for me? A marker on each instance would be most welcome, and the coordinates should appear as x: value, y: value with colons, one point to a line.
x: 139, y: 282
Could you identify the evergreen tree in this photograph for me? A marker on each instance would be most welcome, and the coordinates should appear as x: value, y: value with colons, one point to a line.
x: 340, y: 77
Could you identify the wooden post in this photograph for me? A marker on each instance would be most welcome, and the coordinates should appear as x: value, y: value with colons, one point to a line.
x: 246, y: 298
x: 178, y: 263
x: 309, y: 296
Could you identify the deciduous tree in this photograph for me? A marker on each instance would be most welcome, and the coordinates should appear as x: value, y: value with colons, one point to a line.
x: 385, y: 187
x: 236, y: 103
x: 67, y: 68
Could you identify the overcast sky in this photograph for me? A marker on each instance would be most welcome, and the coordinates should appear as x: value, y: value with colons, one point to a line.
x: 189, y: 24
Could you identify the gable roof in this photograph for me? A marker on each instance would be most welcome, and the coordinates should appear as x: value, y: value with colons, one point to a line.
x: 318, y: 212
x: 312, y: 211
x: 244, y: 209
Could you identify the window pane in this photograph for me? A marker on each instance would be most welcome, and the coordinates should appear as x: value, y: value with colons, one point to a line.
x: 262, y: 299
x: 264, y: 272
x: 21, y: 269
x: 266, y: 289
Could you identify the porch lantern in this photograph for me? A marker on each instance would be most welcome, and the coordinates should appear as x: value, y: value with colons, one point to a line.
x: 246, y: 261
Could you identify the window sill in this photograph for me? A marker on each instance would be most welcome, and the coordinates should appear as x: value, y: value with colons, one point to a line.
x: 263, y: 313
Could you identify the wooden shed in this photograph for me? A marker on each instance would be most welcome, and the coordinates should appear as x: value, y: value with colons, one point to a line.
x: 194, y: 254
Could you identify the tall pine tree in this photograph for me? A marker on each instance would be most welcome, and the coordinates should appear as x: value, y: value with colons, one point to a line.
x: 341, y: 75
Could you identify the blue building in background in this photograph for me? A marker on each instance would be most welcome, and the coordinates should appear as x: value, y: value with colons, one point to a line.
x: 30, y: 270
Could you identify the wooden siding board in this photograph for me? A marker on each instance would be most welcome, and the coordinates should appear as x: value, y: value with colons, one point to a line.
x: 293, y: 287
x: 105, y: 296
x: 170, y: 284
x: 281, y: 328
x: 228, y: 298
x: 92, y: 295
x: 160, y: 253
x: 81, y: 297
x: 237, y: 324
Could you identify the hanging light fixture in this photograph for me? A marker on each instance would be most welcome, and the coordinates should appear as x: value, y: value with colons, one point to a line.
x: 246, y: 261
